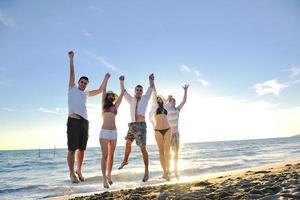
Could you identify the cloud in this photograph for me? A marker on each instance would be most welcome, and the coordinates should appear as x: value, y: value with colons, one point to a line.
x: 297, y: 81
x: 235, y: 118
x: 56, y: 111
x: 103, y: 61
x: 94, y: 8
x: 184, y: 68
x: 7, y: 109
x: 4, y: 84
x: 294, y: 72
x: 6, y: 21
x: 270, y: 87
x: 275, y: 87
x: 196, y: 72
x: 203, y: 82
x: 87, y: 34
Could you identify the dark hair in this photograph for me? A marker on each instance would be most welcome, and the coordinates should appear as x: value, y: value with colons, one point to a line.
x: 85, y: 78
x: 107, y: 103
x: 138, y: 86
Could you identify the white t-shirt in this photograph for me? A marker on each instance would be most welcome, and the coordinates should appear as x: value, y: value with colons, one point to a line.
x: 77, y: 101
x: 142, y: 105
x: 173, y: 115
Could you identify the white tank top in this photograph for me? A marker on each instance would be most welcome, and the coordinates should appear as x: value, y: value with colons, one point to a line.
x: 77, y: 102
x: 173, y: 116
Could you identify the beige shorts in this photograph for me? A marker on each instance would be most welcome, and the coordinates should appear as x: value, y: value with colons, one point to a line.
x: 175, y: 141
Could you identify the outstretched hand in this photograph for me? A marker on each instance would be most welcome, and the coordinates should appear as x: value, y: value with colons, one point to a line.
x: 107, y: 75
x: 122, y: 78
x: 185, y: 87
x: 71, y: 54
x: 151, y: 77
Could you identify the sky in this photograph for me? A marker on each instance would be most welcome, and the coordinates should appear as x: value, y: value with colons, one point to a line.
x: 240, y: 57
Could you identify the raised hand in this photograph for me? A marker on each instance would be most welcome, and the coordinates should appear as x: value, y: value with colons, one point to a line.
x: 151, y: 77
x: 71, y: 54
x: 185, y: 87
x: 122, y: 78
x: 107, y: 75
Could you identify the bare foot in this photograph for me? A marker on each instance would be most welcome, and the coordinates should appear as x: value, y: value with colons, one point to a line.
x: 110, y: 182
x: 146, y: 176
x: 79, y: 174
x: 105, y: 184
x: 122, y: 165
x: 169, y: 173
x: 166, y: 176
x: 73, y: 178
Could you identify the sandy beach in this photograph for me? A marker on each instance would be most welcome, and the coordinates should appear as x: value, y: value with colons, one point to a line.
x: 275, y: 181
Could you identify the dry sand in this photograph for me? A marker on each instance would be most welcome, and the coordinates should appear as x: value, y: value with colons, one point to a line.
x: 276, y: 181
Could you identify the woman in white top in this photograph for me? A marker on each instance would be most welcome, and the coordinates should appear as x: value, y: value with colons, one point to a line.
x: 108, y: 135
x: 173, y: 118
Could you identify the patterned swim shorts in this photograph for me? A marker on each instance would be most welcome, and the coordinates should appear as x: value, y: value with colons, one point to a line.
x: 137, y: 131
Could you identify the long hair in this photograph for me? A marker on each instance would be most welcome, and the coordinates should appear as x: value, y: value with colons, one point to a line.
x: 107, y: 102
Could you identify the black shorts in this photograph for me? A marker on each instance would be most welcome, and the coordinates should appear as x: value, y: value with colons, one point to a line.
x: 77, y: 130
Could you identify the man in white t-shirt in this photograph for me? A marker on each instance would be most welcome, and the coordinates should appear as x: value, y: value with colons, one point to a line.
x: 137, y: 128
x: 78, y: 124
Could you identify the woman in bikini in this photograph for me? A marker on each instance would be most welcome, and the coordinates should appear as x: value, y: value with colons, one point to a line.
x: 158, y: 117
x: 108, y: 135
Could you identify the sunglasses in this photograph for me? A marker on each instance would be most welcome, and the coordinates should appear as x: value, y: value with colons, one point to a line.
x: 84, y: 82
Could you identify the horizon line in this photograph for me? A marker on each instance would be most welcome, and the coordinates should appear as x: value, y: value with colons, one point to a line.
x: 231, y: 140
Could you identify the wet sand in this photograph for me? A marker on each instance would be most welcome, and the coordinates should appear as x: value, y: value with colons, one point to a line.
x: 276, y: 181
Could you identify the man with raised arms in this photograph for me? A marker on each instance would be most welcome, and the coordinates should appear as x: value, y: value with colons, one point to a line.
x: 137, y: 128
x: 78, y: 124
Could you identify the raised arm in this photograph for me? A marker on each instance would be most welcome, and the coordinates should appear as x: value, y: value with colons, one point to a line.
x: 154, y: 95
x: 127, y: 96
x: 104, y: 83
x: 72, y: 71
x: 121, y: 78
x: 150, y: 88
x: 100, y: 89
x: 185, y: 87
x: 151, y: 81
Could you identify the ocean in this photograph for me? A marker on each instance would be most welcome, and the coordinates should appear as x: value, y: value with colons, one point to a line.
x: 34, y: 174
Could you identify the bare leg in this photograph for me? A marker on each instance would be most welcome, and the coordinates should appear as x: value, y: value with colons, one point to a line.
x: 160, y: 144
x: 71, y: 159
x: 176, y: 150
x: 110, y: 158
x: 104, y: 147
x: 166, y: 143
x: 79, y: 156
x: 146, y: 163
x: 127, y: 153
